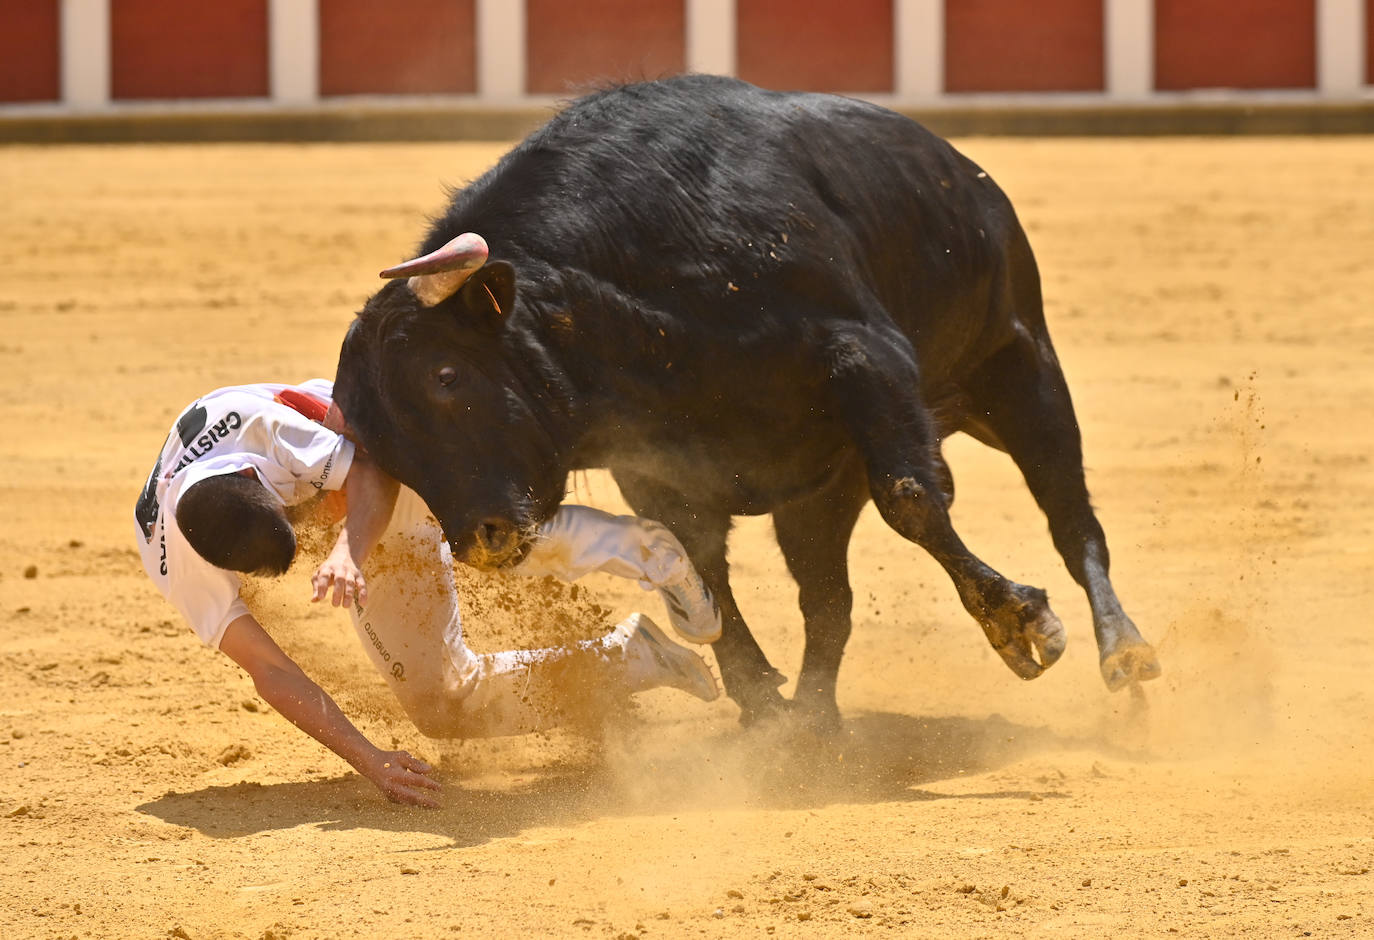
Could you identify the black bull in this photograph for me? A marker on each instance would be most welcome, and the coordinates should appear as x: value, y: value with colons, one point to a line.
x: 739, y: 302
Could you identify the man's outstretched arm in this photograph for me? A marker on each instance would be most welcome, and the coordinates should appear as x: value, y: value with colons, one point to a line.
x: 282, y: 684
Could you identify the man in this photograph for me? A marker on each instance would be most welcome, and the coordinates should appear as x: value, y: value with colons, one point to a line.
x: 215, y: 505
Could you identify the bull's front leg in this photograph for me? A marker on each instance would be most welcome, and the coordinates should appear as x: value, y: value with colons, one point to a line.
x: 813, y: 533
x: 875, y: 387
x: 749, y: 678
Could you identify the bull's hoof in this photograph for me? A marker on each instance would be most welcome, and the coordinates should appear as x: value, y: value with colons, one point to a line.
x: 761, y: 713
x: 1025, y: 632
x: 1130, y: 664
x: 760, y: 703
x: 816, y: 712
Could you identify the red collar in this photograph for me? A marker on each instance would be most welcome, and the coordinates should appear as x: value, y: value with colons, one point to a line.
x: 303, y: 402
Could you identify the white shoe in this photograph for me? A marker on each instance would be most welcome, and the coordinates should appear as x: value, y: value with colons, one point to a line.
x: 692, y: 610
x: 653, y: 660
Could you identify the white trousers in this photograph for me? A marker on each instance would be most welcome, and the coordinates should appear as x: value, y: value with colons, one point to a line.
x: 412, y: 630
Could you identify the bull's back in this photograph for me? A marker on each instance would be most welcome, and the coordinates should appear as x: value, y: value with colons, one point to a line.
x: 716, y: 197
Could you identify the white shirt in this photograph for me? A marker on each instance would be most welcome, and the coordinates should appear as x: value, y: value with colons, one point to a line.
x: 230, y: 429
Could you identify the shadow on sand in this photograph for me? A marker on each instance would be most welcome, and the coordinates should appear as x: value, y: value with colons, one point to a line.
x: 874, y: 758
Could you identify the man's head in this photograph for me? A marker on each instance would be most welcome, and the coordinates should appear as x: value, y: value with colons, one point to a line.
x: 234, y: 522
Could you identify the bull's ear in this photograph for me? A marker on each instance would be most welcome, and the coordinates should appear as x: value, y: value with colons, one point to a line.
x: 489, y: 293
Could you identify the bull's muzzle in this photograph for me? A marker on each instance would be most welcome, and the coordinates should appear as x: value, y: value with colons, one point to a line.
x: 494, y: 543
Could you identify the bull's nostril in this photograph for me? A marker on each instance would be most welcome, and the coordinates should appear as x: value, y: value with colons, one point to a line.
x: 494, y: 534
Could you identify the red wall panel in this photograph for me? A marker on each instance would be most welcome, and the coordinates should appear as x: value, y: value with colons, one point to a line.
x: 816, y: 45
x: 578, y: 42
x: 398, y: 47
x: 1369, y: 42
x: 1011, y: 45
x: 1225, y: 44
x: 188, y: 50
x: 29, y: 40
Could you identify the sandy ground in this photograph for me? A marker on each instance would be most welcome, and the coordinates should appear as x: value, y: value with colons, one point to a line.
x: 1210, y: 300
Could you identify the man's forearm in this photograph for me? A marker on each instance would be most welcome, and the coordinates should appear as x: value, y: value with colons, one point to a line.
x: 297, y: 698
x: 371, y: 498
x: 307, y: 706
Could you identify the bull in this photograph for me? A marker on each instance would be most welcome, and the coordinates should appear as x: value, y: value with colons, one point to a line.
x: 739, y: 302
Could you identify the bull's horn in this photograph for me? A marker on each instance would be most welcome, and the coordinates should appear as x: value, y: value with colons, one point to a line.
x: 437, y: 276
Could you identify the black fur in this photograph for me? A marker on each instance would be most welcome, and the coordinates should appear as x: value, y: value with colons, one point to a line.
x: 740, y: 301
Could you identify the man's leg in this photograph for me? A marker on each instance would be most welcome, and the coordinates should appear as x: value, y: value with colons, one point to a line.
x: 519, y: 691
x: 412, y: 631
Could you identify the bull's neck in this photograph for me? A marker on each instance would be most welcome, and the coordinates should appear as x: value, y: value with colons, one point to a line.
x: 602, y: 414
x: 594, y: 373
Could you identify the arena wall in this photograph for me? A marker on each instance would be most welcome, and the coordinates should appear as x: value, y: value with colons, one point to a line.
x: 103, y: 59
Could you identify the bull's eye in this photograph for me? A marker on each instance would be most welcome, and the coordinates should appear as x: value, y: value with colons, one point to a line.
x: 448, y: 375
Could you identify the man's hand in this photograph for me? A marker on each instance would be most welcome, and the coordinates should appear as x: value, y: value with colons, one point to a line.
x: 343, y: 575
x: 370, y: 496
x: 403, y: 778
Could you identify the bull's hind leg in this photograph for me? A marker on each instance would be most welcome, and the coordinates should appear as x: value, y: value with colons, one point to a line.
x: 874, y: 386
x: 813, y: 534
x: 745, y: 672
x: 1022, y: 406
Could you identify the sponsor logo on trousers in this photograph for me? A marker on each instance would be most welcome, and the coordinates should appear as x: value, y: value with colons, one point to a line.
x: 398, y: 668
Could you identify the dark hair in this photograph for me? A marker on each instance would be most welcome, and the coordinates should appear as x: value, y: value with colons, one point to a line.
x: 234, y: 522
